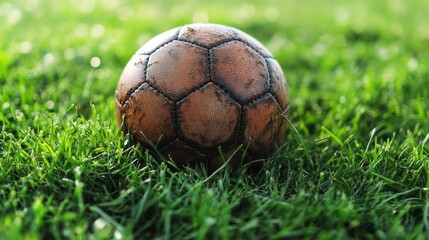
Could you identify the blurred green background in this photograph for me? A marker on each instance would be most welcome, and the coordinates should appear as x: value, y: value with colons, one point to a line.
x: 49, y: 44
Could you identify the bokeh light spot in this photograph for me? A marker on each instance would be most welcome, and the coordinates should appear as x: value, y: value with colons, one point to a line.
x: 95, y: 62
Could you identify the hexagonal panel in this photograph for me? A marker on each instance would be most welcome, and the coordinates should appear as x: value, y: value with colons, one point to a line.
x: 278, y: 83
x: 182, y: 154
x: 251, y: 41
x: 177, y: 69
x: 240, y: 70
x: 206, y: 35
x: 263, y: 124
x: 132, y: 77
x: 208, y: 118
x: 150, y: 116
x: 153, y: 44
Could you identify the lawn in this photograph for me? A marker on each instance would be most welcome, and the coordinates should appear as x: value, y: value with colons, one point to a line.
x: 354, y: 164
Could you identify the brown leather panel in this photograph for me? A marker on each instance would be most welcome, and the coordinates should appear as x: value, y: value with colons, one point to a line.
x: 278, y: 82
x: 150, y: 116
x: 132, y: 77
x: 263, y: 121
x: 206, y: 35
x: 208, y: 117
x: 177, y: 69
x: 240, y: 70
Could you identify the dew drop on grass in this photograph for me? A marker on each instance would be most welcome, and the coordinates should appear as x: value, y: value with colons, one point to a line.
x: 99, y: 224
x: 19, y: 115
x: 6, y: 105
x: 77, y: 170
x: 50, y: 104
x: 95, y: 62
x: 118, y: 235
x: 209, y: 221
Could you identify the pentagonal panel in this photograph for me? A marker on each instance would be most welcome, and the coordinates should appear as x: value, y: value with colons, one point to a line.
x: 182, y: 154
x: 150, y: 116
x: 208, y: 117
x: 278, y: 83
x: 177, y: 69
x: 263, y: 123
x: 240, y: 70
x: 153, y: 44
x: 132, y: 77
x: 206, y: 35
x: 255, y: 44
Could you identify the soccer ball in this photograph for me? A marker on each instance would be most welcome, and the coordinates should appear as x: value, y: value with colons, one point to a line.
x: 199, y: 92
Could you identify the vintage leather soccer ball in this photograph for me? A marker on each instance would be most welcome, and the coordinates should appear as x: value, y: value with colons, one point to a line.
x: 201, y: 89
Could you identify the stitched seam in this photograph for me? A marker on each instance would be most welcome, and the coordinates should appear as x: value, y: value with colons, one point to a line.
x: 135, y: 92
x: 160, y: 92
x: 190, y: 93
x: 241, y: 125
x: 235, y: 39
x: 192, y: 43
x: 209, y: 150
x: 176, y: 121
x: 271, y: 87
x: 197, y: 88
x: 258, y: 97
x: 150, y: 86
x: 134, y: 89
x: 229, y: 94
x: 266, y: 69
x: 158, y: 144
x: 270, y: 77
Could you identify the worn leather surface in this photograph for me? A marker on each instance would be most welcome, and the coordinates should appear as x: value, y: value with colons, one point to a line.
x: 200, y: 92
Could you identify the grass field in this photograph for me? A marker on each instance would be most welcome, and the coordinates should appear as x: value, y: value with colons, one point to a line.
x: 354, y: 165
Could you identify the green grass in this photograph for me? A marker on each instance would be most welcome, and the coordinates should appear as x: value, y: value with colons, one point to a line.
x: 354, y: 165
